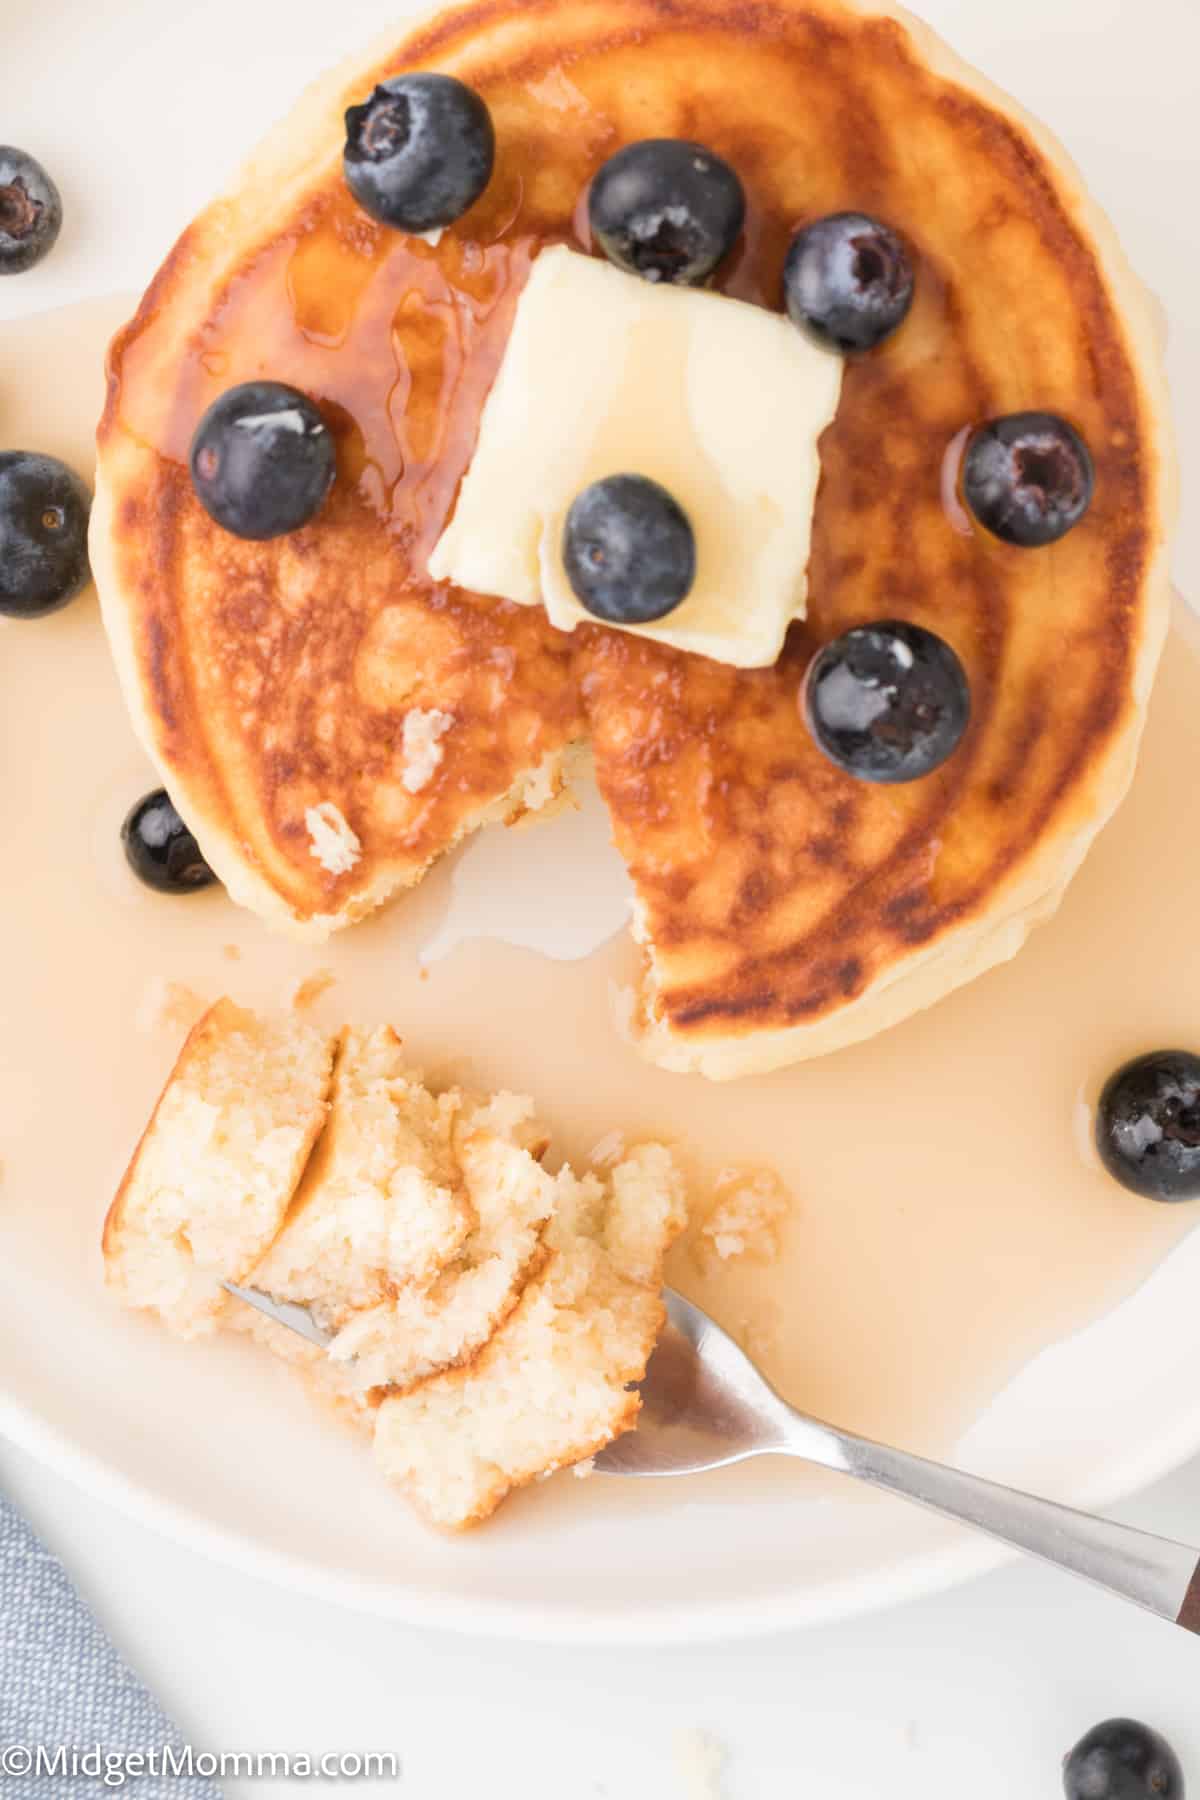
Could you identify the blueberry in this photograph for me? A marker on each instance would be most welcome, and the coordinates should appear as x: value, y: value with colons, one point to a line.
x: 1122, y: 1760
x: 420, y: 151
x: 30, y: 212
x: 1028, y: 478
x: 848, y: 281
x: 887, y: 702
x: 44, y: 511
x: 667, y: 210
x: 629, y: 550
x: 262, y: 460
x: 161, y: 850
x: 1148, y: 1125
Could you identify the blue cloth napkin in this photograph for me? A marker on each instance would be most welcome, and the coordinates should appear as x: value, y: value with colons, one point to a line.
x: 63, y: 1684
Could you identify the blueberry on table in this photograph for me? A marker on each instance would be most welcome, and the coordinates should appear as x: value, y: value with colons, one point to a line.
x: 30, y: 212
x: 629, y: 550
x: 887, y: 702
x: 1028, y: 478
x: 1148, y: 1125
x: 161, y: 850
x: 666, y: 209
x: 848, y: 281
x: 1122, y: 1760
x: 44, y: 509
x: 262, y: 460
x: 419, y: 152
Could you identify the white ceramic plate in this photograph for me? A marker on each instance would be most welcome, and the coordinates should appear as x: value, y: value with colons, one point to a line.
x: 142, y: 110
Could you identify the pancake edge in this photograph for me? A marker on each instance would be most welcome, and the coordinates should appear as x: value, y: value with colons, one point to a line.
x: 1034, y: 891
x: 962, y: 951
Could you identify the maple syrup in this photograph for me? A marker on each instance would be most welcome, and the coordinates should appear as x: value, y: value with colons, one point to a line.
x: 948, y: 1220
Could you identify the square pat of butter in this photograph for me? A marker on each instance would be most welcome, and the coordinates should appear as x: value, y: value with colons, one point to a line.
x: 721, y: 402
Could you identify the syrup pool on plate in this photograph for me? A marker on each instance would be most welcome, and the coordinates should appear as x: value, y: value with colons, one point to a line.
x: 947, y: 1221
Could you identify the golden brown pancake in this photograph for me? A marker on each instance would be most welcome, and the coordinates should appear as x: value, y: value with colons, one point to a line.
x: 786, y: 908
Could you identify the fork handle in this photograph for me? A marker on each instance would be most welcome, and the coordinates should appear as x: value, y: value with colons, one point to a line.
x: 1153, y: 1572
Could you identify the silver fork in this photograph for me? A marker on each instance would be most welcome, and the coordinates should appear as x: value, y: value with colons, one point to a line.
x: 284, y: 1312
x: 705, y: 1405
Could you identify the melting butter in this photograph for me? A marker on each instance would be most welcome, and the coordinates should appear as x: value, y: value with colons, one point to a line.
x: 720, y: 402
x: 960, y: 1234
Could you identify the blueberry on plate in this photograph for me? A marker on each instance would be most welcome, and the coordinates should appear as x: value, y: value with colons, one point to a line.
x: 848, y: 281
x: 161, y: 850
x: 629, y: 550
x: 262, y: 460
x: 30, y: 212
x: 419, y: 152
x: 1122, y: 1760
x: 666, y: 209
x: 44, y: 509
x: 1028, y: 478
x: 1148, y: 1125
x: 887, y: 702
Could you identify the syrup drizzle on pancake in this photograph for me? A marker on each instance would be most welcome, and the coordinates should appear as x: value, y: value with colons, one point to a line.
x: 777, y: 890
x: 946, y: 1225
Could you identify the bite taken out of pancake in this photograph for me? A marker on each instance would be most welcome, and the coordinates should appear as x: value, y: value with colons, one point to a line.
x: 785, y: 908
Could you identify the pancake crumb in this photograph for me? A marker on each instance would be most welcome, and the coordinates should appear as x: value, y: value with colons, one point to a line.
x: 748, y: 1208
x: 543, y: 785
x: 422, y: 751
x: 700, y: 1759
x: 545, y: 792
x: 760, y: 1336
x: 231, y: 953
x: 169, y: 1006
x: 608, y: 1151
x: 308, y: 989
x: 581, y: 1470
x: 332, y: 841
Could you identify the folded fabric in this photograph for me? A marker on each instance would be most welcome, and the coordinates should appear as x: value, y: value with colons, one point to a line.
x: 63, y: 1686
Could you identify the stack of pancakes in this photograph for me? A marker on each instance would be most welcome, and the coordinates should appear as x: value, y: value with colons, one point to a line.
x: 785, y: 908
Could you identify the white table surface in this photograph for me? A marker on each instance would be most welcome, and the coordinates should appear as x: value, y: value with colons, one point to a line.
x: 975, y: 1693
x: 979, y: 1691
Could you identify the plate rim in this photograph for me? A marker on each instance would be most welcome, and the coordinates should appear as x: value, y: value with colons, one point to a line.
x: 960, y: 1559
x: 924, y: 1574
